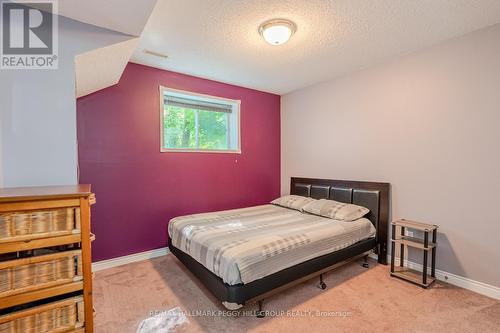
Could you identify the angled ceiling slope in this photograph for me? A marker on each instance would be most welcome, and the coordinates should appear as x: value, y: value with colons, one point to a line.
x: 219, y: 39
x: 103, y: 67
x: 126, y: 16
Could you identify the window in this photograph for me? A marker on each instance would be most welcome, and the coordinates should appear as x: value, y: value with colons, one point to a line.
x: 199, y: 123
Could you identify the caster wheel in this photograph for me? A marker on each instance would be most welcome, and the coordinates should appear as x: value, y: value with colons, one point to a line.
x: 322, y: 285
x: 260, y: 314
x: 365, y: 265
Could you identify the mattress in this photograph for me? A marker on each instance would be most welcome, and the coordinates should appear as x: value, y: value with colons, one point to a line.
x: 243, y: 245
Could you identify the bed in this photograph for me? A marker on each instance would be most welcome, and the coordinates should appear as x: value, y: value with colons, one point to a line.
x: 244, y: 255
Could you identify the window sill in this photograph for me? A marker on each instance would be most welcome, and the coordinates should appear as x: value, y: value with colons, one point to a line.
x: 166, y: 150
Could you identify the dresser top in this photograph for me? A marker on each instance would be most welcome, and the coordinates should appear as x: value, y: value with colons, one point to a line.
x: 10, y: 194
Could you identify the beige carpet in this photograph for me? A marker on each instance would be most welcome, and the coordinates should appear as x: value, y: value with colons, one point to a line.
x: 357, y: 300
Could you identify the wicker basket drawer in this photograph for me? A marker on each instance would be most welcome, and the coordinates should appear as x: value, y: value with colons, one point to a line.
x: 20, y: 226
x: 60, y: 316
x: 33, y: 273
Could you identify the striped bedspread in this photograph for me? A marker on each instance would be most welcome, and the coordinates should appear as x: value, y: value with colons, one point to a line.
x: 243, y: 245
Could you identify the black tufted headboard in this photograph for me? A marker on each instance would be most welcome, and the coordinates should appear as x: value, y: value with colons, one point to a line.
x: 374, y: 196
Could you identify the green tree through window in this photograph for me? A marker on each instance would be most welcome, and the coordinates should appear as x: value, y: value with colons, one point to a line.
x: 190, y: 124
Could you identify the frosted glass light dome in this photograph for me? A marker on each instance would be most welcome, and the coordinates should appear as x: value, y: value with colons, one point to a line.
x: 277, y: 32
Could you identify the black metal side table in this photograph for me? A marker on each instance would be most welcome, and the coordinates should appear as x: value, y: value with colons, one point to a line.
x: 419, y: 278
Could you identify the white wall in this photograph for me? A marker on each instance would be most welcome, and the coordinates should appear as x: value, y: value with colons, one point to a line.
x: 38, y: 112
x: 430, y: 125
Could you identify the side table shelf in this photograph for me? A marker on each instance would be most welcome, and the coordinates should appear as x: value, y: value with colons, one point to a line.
x: 422, y: 279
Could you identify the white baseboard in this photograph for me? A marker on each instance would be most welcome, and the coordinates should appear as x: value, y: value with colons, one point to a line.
x: 459, y: 281
x: 104, y: 264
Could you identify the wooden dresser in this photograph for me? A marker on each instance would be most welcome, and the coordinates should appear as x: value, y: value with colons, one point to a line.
x: 45, y: 259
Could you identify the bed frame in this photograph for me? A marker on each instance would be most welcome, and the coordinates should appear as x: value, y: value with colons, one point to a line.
x: 374, y: 196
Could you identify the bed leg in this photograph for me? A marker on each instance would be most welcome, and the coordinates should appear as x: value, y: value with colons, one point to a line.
x: 260, y: 313
x: 322, y: 284
x: 365, y: 262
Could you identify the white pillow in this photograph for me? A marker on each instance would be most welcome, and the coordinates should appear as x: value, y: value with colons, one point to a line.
x: 336, y: 210
x: 296, y: 202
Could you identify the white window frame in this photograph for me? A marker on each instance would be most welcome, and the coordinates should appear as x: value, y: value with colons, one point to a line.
x: 236, y: 107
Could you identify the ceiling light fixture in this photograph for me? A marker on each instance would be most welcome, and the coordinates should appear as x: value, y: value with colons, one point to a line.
x: 277, y: 31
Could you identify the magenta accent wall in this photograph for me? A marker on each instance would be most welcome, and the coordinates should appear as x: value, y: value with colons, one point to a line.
x: 139, y: 189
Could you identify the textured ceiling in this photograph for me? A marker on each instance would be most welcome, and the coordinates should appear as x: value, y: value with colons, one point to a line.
x: 218, y: 39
